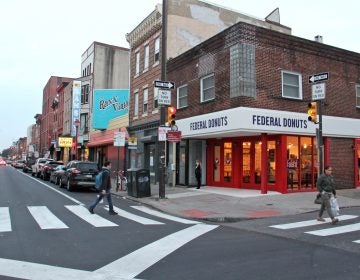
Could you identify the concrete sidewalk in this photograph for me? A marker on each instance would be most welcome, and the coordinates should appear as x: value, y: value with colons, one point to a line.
x: 229, y: 204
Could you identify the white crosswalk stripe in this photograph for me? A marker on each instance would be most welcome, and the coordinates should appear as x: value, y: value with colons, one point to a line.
x: 93, y: 219
x: 335, y: 230
x: 135, y: 218
x: 45, y: 218
x: 311, y: 222
x: 5, y: 222
x: 164, y: 216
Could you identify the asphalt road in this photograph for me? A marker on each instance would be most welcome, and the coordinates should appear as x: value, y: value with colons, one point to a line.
x: 47, y: 233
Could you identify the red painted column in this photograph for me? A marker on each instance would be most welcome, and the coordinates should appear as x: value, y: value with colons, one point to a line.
x: 264, y: 163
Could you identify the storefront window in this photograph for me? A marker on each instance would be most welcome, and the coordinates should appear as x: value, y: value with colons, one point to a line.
x: 227, y: 161
x: 217, y: 165
x: 293, y: 162
x: 246, y: 146
x: 306, y: 162
x: 271, y: 149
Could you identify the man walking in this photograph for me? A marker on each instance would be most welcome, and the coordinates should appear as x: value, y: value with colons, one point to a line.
x: 326, y: 187
x: 104, y: 190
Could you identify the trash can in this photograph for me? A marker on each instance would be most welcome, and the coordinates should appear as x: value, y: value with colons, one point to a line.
x: 138, y: 182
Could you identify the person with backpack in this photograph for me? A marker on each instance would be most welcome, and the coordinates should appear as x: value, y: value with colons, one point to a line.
x: 104, y: 188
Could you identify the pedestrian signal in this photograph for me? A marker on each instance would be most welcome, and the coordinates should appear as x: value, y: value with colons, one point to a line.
x: 171, y: 111
x: 312, y: 112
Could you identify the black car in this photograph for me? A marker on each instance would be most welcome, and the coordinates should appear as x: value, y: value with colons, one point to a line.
x: 56, y: 174
x: 28, y: 163
x: 79, y: 174
x: 48, y: 167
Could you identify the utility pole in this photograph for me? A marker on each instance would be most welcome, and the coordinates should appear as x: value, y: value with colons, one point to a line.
x: 161, y: 144
x: 320, y: 137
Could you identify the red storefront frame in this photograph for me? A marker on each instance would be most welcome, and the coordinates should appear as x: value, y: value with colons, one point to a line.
x: 357, y: 162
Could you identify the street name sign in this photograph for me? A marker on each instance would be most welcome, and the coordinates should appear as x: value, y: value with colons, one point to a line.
x: 318, y: 77
x: 164, y: 84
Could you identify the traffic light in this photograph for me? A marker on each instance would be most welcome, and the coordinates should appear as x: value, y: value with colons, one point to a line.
x: 171, y: 111
x: 312, y: 112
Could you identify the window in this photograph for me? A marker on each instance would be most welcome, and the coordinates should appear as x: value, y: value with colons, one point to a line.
x: 137, y: 63
x: 358, y: 96
x: 85, y: 94
x: 145, y: 101
x: 84, y: 128
x: 242, y: 70
x: 156, y: 94
x: 146, y: 58
x: 136, y: 104
x: 182, y: 95
x: 207, y: 88
x: 157, y: 49
x: 291, y: 85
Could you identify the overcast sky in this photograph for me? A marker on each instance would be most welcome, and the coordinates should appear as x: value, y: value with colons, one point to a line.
x: 42, y: 38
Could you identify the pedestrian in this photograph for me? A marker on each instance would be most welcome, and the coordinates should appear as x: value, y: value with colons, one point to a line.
x: 105, y: 189
x: 198, y: 173
x: 326, y: 186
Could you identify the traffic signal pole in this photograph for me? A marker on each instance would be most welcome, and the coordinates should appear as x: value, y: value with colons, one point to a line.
x: 320, y: 138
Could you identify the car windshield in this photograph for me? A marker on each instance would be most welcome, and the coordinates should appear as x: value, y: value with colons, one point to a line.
x: 87, y: 166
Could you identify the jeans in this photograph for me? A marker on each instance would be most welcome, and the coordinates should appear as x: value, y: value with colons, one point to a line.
x: 108, y: 197
x: 326, y: 204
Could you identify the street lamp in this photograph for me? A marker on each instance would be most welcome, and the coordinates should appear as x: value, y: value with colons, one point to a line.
x: 76, y: 123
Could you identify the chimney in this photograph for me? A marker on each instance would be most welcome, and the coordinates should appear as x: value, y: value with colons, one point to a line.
x: 319, y: 39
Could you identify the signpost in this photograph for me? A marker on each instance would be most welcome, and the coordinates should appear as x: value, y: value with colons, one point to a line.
x: 164, y: 84
x: 319, y: 77
x: 318, y: 91
x: 164, y: 96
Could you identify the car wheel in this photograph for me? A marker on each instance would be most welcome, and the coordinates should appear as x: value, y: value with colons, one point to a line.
x: 69, y: 187
x: 57, y: 181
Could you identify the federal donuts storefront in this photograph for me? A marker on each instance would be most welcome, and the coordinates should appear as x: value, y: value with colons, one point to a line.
x: 261, y: 149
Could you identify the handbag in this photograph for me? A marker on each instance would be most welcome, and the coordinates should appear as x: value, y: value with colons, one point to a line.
x: 318, y: 199
x: 334, y: 206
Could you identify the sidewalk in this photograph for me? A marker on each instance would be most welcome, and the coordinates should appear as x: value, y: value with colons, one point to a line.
x: 229, y: 204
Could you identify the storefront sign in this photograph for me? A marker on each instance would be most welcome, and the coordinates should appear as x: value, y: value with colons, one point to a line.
x: 65, y: 142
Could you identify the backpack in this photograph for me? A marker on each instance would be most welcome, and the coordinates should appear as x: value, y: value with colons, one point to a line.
x: 98, y: 180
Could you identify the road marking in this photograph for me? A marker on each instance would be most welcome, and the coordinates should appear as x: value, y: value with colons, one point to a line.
x: 164, y: 216
x: 55, y: 190
x: 311, y: 222
x: 335, y: 230
x: 5, y: 222
x: 93, y: 219
x: 133, y: 217
x: 136, y: 262
x: 45, y: 218
x: 357, y: 241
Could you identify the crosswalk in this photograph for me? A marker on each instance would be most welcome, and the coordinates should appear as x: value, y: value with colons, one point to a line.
x: 329, y: 230
x: 47, y: 220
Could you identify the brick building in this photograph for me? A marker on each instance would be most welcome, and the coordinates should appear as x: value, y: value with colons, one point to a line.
x: 241, y: 103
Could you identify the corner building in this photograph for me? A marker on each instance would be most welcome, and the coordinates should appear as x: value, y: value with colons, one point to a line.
x: 242, y: 99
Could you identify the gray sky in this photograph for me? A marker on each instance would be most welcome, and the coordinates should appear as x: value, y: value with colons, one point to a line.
x: 42, y: 38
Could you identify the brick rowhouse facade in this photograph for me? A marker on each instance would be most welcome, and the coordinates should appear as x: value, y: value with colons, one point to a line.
x: 274, y: 52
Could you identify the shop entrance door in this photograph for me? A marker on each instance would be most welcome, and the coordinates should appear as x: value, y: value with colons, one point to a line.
x: 251, y: 164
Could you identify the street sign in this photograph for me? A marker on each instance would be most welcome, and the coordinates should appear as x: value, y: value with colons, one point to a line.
x: 162, y: 133
x: 174, y: 136
x: 164, y: 84
x: 318, y: 91
x: 132, y: 143
x: 164, y: 96
x: 119, y: 139
x: 318, y: 77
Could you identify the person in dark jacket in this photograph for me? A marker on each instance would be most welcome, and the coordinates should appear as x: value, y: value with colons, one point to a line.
x: 326, y: 186
x: 198, y: 173
x: 104, y: 190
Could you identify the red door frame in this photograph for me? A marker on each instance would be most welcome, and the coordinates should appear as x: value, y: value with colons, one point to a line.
x: 356, y: 163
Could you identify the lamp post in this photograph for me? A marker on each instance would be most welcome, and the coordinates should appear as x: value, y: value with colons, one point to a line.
x: 76, y: 123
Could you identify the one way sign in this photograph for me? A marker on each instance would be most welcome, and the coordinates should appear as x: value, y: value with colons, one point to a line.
x: 318, y: 77
x: 164, y: 84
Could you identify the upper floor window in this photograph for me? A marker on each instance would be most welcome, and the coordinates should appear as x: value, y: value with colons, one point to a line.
x: 291, y: 85
x: 146, y: 58
x: 145, y: 101
x: 137, y: 63
x: 156, y: 94
x: 182, y: 96
x: 157, y: 49
x: 242, y: 70
x: 85, y: 94
x: 207, y: 85
x: 136, y: 104
x: 84, y: 128
x: 358, y: 96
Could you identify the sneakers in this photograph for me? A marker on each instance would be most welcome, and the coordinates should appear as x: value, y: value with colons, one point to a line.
x: 321, y: 219
x: 113, y: 212
x: 335, y: 221
x: 91, y: 210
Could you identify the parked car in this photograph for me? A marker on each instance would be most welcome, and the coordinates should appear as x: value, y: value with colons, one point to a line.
x: 28, y: 165
x: 79, y: 174
x: 56, y: 174
x: 2, y: 162
x: 47, y: 168
x: 18, y: 163
x: 36, y: 168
